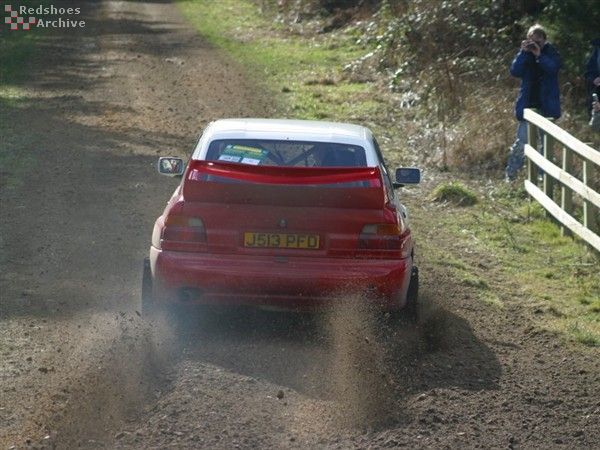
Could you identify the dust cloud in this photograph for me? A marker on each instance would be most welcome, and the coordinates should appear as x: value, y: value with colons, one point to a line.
x: 118, y: 363
x: 371, y: 358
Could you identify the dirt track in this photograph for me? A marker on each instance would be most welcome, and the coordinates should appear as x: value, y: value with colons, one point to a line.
x: 79, y: 368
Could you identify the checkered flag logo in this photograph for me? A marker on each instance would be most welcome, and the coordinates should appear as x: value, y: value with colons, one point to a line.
x: 14, y: 20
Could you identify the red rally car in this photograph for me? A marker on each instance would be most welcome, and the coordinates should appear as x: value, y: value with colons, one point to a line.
x: 286, y: 214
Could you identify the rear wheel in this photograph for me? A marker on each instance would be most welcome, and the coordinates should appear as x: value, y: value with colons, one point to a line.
x: 410, y: 311
x: 182, y: 317
x: 148, y: 306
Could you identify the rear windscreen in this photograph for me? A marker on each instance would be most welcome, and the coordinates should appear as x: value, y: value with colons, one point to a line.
x: 286, y: 153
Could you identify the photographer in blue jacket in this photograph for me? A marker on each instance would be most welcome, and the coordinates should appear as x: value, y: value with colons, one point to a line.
x: 537, y: 64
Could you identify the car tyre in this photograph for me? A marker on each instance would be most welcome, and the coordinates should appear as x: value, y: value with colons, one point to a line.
x: 408, y: 315
x: 148, y: 305
x: 411, y: 310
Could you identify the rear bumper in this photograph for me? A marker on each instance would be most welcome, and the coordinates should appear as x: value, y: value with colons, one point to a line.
x: 289, y: 283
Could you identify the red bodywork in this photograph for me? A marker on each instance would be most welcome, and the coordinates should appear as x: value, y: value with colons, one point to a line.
x: 290, y: 237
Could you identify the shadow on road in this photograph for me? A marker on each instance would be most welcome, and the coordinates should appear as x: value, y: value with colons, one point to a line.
x: 346, y: 355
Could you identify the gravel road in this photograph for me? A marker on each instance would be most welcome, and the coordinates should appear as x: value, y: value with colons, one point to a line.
x: 81, y: 369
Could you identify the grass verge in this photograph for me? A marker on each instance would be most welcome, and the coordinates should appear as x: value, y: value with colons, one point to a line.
x: 508, y: 241
x: 301, y: 66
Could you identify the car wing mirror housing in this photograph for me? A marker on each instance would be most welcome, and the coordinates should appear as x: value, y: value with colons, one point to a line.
x: 407, y: 175
x: 171, y: 166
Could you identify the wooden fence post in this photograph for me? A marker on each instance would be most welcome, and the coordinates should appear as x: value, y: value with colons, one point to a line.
x: 548, y: 183
x: 589, y: 211
x: 566, y: 193
x: 532, y: 140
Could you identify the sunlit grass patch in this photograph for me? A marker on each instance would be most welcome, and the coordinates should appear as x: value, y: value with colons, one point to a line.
x: 530, y: 210
x: 306, y: 71
x: 491, y: 298
x: 455, y: 193
x: 448, y: 262
x: 223, y: 23
x: 471, y: 280
x: 584, y: 335
x: 554, y: 269
x: 8, y: 94
x: 526, y: 250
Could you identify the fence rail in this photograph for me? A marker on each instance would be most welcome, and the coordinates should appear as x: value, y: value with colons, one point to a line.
x: 560, y: 174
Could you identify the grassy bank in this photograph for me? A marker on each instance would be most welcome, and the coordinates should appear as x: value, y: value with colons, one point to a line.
x: 306, y: 70
x: 313, y: 75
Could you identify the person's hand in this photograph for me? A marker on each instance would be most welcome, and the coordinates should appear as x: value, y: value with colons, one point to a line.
x: 532, y: 47
x: 597, y: 81
x: 596, y: 107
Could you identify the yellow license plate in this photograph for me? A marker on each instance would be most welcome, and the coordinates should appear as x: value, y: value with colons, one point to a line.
x: 281, y: 240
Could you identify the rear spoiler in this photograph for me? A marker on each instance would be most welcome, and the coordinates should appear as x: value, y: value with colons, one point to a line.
x: 341, y: 187
x: 221, y: 171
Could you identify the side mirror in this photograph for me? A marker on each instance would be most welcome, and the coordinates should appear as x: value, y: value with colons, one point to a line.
x: 407, y: 175
x: 170, y: 166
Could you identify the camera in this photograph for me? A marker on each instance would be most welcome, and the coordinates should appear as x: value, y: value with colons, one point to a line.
x: 531, y: 45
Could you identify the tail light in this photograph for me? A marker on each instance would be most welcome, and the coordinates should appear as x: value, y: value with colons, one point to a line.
x: 384, y: 240
x: 183, y: 233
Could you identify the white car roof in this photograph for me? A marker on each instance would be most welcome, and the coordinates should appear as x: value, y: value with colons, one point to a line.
x: 284, y: 129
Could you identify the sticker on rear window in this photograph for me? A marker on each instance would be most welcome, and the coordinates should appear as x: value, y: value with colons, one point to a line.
x: 243, y: 154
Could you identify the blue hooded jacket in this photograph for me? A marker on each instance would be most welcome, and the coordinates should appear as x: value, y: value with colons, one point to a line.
x: 524, y: 67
